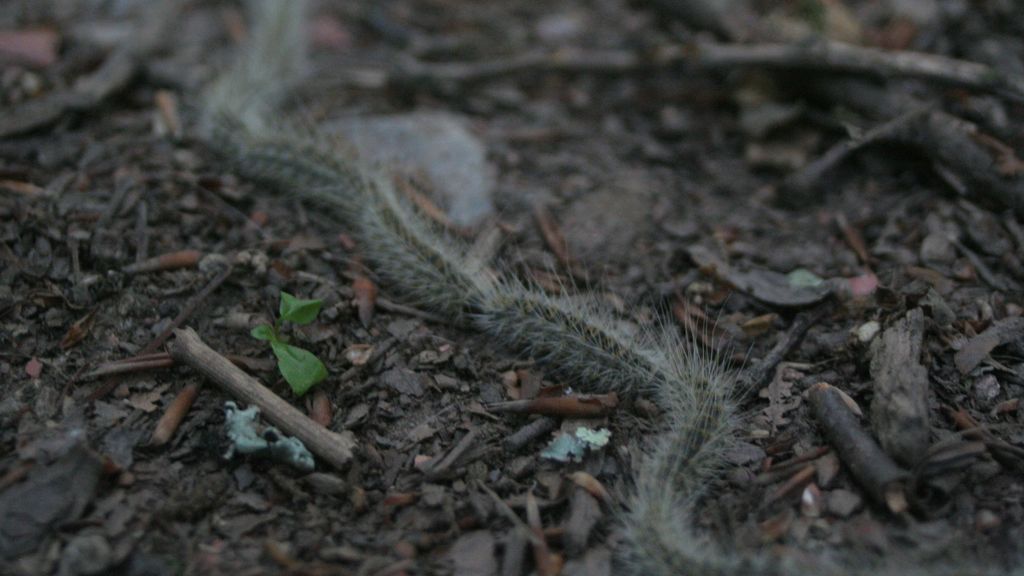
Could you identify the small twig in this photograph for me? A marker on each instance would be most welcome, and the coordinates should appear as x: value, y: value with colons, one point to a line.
x: 174, y: 415
x: 141, y: 233
x: 188, y: 310
x: 577, y: 406
x: 882, y: 478
x: 169, y: 261
x: 552, y: 234
x: 760, y: 373
x: 1008, y: 454
x: 797, y: 481
x: 982, y: 269
x: 427, y: 206
x: 854, y: 239
x: 529, y: 433
x: 157, y: 360
x: 16, y: 474
x: 134, y: 364
x: 950, y: 142
x: 508, y: 512
x: 157, y: 342
x: 832, y: 56
x: 390, y: 306
x: 442, y: 466
x: 781, y: 469
x: 334, y: 448
x: 823, y: 56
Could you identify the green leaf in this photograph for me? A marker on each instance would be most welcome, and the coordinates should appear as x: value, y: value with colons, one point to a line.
x: 297, y: 310
x: 264, y: 332
x: 299, y: 367
x: 804, y: 278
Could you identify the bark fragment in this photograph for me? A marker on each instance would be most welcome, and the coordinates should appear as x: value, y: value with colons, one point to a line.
x: 899, y: 409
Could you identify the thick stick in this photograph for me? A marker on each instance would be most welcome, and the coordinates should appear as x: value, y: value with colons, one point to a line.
x: 188, y: 348
x: 825, y: 56
x: 882, y: 478
x: 832, y: 56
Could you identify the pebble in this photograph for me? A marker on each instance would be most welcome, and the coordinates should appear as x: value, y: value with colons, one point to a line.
x: 843, y: 503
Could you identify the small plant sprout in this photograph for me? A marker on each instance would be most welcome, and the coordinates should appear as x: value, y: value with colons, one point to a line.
x: 300, y: 367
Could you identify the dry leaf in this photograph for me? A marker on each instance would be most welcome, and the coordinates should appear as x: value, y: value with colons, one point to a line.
x: 78, y: 331
x: 34, y: 368
x: 366, y: 298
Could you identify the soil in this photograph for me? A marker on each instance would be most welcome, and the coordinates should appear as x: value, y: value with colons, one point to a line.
x: 662, y: 190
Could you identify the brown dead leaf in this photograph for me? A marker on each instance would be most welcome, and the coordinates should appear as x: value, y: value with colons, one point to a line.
x: 779, y: 393
x: 1007, y: 406
x: 592, y: 485
x: 399, y: 499
x: 552, y: 233
x: 37, y: 48
x: 167, y: 105
x: 78, y: 331
x: 26, y: 189
x: 146, y: 401
x: 34, y: 368
x: 758, y: 325
x: 1007, y: 163
x: 320, y: 408
x: 366, y: 298
x: 359, y: 354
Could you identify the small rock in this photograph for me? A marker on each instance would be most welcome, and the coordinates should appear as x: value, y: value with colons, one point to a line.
x: 826, y: 468
x: 986, y: 389
x: 843, y: 503
x: 867, y: 331
x: 402, y: 328
x: 404, y: 381
x: 740, y: 477
x: 811, y: 501
x: 744, y: 453
x: 86, y: 555
x: 937, y: 249
x: 561, y: 27
x: 324, y: 483
x: 584, y: 513
x: 602, y: 226
x: 987, y: 520
x: 433, y: 495
x: 473, y: 554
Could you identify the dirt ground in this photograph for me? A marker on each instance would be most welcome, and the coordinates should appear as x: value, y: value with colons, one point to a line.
x: 599, y: 145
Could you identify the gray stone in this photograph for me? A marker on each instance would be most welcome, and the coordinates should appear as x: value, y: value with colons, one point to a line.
x: 842, y: 503
x: 603, y: 226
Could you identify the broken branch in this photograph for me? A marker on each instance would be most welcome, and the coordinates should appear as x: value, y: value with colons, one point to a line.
x: 188, y: 348
x: 882, y: 478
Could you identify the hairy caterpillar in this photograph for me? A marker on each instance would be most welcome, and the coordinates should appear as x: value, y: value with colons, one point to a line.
x: 579, y: 341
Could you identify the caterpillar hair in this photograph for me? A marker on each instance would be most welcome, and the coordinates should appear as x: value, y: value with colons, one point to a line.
x: 573, y: 337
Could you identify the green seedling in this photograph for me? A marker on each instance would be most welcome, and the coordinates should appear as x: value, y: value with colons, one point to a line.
x: 301, y: 368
